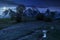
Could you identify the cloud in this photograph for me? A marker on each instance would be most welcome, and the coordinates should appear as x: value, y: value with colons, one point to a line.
x: 38, y: 3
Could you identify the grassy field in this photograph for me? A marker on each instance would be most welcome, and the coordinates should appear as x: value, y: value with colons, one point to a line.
x: 5, y: 22
x: 52, y: 35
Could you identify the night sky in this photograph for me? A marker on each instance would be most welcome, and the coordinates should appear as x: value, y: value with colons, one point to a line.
x: 53, y: 5
x: 38, y: 3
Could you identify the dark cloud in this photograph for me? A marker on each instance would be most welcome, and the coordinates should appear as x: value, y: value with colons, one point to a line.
x: 39, y: 3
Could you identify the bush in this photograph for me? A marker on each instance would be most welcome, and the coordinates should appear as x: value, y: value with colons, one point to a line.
x: 48, y: 19
x: 40, y: 16
x: 56, y: 34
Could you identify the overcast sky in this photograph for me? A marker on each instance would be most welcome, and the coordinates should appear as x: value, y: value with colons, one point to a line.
x: 52, y: 4
x: 38, y: 3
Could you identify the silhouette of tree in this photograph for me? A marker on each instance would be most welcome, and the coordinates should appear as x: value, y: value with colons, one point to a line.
x: 19, y: 13
x: 47, y: 12
x: 48, y: 17
x: 36, y: 12
x: 52, y: 14
x: 20, y: 10
x: 40, y: 16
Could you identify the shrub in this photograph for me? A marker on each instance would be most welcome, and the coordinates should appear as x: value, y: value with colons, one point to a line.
x: 40, y: 16
x: 48, y: 19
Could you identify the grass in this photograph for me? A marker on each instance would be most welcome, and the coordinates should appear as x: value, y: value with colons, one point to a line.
x: 55, y: 35
x: 5, y: 22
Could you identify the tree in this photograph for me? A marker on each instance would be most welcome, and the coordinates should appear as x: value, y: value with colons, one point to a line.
x: 20, y: 10
x: 47, y: 12
x: 40, y: 16
x: 52, y: 14
x: 48, y: 17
